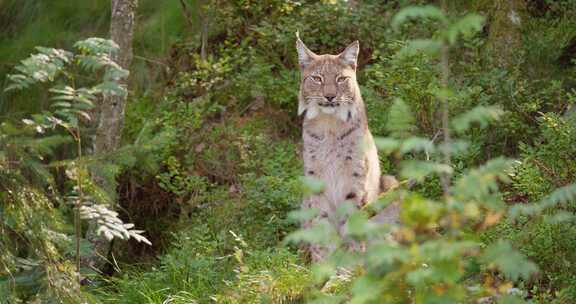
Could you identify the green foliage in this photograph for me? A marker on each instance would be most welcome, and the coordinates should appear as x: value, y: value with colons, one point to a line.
x: 481, y: 115
x: 199, y: 271
x: 253, y: 74
x: 263, y: 276
x: 110, y: 225
x: 400, y: 120
x: 35, y: 238
x: 513, y: 264
x: 72, y: 103
x: 540, y: 227
x: 207, y: 261
x: 39, y: 234
x: 177, y: 182
x: 418, y: 12
x: 211, y: 147
x: 415, y: 263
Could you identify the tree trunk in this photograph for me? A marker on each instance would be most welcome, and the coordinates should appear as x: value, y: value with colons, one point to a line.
x: 111, y: 114
x: 112, y: 108
x: 203, y: 12
x: 505, y: 37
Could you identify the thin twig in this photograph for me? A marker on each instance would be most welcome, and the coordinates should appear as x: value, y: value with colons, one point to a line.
x: 444, y: 76
x: 78, y: 203
x: 150, y: 60
x: 187, y: 15
x: 204, y: 30
x: 559, y: 182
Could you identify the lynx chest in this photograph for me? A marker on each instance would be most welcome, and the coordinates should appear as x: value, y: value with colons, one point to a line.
x: 334, y: 155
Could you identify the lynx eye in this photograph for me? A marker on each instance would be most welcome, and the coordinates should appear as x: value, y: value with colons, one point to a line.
x: 317, y: 78
x: 341, y: 79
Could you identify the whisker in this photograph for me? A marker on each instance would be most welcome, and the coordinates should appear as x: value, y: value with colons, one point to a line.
x: 309, y: 99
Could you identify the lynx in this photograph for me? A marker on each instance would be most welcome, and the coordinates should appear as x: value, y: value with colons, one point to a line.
x: 338, y: 147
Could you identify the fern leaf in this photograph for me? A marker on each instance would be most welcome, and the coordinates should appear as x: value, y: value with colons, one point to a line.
x: 479, y: 183
x: 400, y: 119
x: 418, y: 12
x: 481, y: 115
x: 512, y: 263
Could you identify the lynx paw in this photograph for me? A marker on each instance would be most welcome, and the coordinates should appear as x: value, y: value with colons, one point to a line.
x: 387, y: 183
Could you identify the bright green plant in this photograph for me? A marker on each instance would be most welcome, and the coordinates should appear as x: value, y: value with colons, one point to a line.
x: 74, y: 103
x: 231, y: 158
x: 540, y: 228
x: 431, y: 257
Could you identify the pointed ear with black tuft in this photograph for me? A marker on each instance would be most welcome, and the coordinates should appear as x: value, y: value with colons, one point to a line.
x: 350, y: 55
x: 305, y: 56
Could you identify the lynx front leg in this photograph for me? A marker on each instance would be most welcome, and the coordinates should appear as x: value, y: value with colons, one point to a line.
x: 391, y: 214
x: 355, y: 174
x: 317, y: 251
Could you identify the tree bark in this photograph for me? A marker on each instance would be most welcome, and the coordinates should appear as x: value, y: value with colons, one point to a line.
x: 112, y: 108
x: 505, y: 37
x: 111, y: 114
x: 203, y: 12
x: 187, y: 16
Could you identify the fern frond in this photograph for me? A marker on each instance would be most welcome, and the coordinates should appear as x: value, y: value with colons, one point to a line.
x: 417, y: 144
x: 478, y: 183
x: 400, y: 119
x: 96, y: 45
x: 110, y: 225
x: 481, y: 115
x: 418, y: 170
x: 418, y: 12
x: 557, y: 198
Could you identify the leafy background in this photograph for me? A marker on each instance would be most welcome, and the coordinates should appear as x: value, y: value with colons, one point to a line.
x: 210, y: 163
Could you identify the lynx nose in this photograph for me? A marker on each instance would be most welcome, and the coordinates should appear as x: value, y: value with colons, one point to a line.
x: 329, y: 98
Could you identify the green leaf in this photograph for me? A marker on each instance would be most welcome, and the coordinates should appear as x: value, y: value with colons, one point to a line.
x: 38, y: 68
x: 400, y: 119
x: 508, y: 299
x: 442, y: 93
x: 418, y: 170
x: 93, y: 63
x: 386, y: 145
x: 359, y: 225
x: 427, y: 46
x: 560, y: 196
x: 417, y: 144
x: 418, y: 211
x: 466, y: 26
x: 482, y: 115
x: 454, y: 147
x: 111, y: 88
x: 445, y: 250
x: 96, y: 45
x: 512, y: 263
x: 418, y: 12
x: 61, y: 56
x: 322, y: 233
x: 67, y: 90
x: 559, y: 217
x: 303, y: 214
x: 386, y: 254
x: 419, y: 277
x: 61, y: 104
x: 479, y: 183
x: 311, y: 185
x: 83, y: 114
x: 366, y: 290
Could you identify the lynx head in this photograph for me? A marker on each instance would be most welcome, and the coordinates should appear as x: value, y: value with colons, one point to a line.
x: 328, y: 83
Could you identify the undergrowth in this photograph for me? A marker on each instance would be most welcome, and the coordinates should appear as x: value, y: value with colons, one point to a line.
x: 214, y: 196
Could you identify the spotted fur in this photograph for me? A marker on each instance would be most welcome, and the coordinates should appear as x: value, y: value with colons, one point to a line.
x: 338, y: 146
